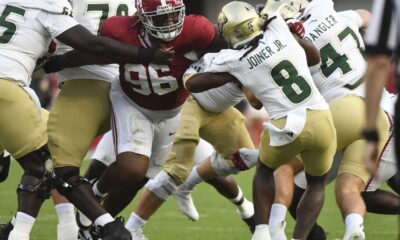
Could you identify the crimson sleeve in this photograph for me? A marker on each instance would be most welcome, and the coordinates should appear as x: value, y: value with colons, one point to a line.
x: 203, y: 32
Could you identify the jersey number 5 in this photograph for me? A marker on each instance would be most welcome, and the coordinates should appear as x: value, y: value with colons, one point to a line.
x: 152, y: 79
x: 10, y: 27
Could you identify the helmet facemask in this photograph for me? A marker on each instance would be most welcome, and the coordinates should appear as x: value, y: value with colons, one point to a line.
x: 165, y: 23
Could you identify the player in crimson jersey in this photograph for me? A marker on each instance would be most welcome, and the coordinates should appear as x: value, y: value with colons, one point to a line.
x: 147, y: 98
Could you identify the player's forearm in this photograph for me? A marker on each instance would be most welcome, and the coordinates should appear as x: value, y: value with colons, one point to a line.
x: 312, y: 53
x: 73, y: 59
x: 204, y: 81
x: 82, y: 40
x: 375, y: 79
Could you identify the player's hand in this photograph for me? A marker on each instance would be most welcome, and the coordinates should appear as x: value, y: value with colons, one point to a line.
x: 296, y: 27
x: 261, y: 233
x: 370, y: 157
x: 40, y: 63
x: 163, y: 56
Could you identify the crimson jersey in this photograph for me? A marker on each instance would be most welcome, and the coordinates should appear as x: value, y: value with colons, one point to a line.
x: 152, y: 86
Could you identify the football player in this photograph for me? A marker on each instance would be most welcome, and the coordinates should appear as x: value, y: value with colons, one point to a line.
x: 147, y: 99
x: 84, y: 92
x: 39, y: 21
x: 273, y: 65
x: 209, y: 115
x: 340, y: 80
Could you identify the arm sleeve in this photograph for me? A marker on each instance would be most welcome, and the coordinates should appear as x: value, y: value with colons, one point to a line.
x: 382, y: 34
x: 203, y: 33
x: 217, y: 65
x: 351, y: 17
x: 56, y: 24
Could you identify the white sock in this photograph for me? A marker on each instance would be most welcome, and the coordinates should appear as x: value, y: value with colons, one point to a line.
x: 238, y: 197
x: 278, y: 214
x: 23, y: 223
x: 135, y: 222
x: 97, y: 191
x: 193, y: 179
x: 65, y: 213
x: 103, y: 219
x: 352, y: 220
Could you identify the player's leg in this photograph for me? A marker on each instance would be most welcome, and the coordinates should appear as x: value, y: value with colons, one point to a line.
x: 348, y: 115
x: 283, y: 197
x: 133, y: 138
x: 69, y: 141
x: 162, y: 144
x: 176, y: 168
x: 320, y: 145
x: 394, y: 182
x: 317, y: 232
x: 227, y: 133
x: 349, y: 185
x: 102, y: 157
x: 182, y: 195
x: 23, y: 134
x: 381, y: 202
x: 67, y: 229
x: 270, y: 158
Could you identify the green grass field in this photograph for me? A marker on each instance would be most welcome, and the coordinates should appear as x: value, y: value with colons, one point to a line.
x: 219, y: 220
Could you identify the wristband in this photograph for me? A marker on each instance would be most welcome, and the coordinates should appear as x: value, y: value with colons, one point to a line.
x: 371, y: 135
x: 146, y: 55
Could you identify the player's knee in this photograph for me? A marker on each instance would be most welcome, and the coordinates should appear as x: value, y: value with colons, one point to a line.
x: 162, y: 185
x: 130, y: 164
x: 68, y: 180
x: 347, y: 184
x: 37, y: 178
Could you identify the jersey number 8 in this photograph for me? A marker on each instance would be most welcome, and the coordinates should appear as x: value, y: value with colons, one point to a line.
x: 294, y: 86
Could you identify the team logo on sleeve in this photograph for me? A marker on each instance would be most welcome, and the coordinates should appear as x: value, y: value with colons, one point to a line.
x: 67, y: 11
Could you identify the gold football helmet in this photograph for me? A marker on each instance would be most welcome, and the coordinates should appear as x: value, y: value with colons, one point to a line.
x: 238, y: 23
x: 282, y: 7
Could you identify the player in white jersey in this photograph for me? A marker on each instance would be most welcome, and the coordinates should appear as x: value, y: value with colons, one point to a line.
x: 339, y: 79
x: 70, y: 137
x: 273, y: 66
x: 38, y: 21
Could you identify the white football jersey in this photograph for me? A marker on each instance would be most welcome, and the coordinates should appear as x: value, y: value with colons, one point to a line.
x: 26, y: 29
x: 337, y: 37
x: 216, y: 99
x: 91, y: 14
x: 276, y: 71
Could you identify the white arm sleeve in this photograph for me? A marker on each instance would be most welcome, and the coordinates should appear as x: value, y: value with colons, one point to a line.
x: 55, y: 24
